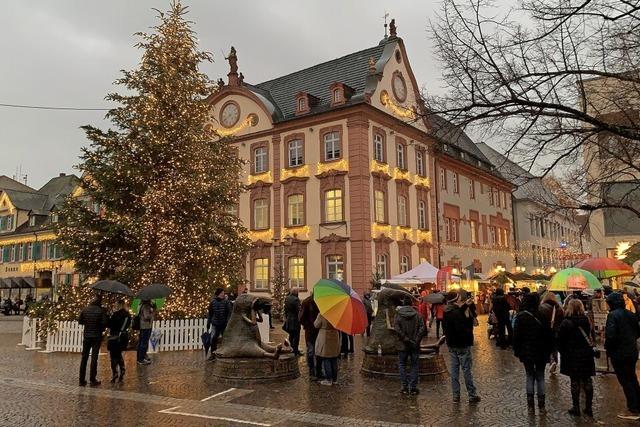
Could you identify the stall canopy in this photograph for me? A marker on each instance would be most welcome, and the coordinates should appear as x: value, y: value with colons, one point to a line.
x: 423, y: 273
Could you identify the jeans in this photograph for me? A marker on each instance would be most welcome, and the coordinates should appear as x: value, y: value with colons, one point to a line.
x: 313, y: 362
x: 402, y: 366
x: 216, y: 333
x: 346, y: 343
x: 330, y: 365
x: 535, y: 377
x: 116, y: 361
x: 461, y: 357
x: 294, y: 340
x: 438, y: 325
x: 625, y: 370
x: 90, y: 344
x: 143, y: 344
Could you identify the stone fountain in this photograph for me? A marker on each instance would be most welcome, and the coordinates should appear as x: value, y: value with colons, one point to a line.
x: 243, y: 356
x: 381, y: 351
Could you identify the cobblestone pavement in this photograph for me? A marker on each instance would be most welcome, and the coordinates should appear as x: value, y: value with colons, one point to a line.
x: 41, y: 390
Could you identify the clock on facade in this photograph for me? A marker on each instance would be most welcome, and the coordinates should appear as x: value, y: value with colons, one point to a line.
x: 229, y: 114
x: 399, y: 87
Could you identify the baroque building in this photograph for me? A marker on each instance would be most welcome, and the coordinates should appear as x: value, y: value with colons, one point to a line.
x: 341, y: 173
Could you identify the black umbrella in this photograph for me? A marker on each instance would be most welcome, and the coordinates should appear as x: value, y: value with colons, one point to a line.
x: 154, y: 291
x: 435, y: 298
x: 112, y: 287
x: 632, y: 284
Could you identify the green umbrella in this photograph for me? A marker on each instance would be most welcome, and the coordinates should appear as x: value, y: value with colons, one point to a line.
x: 135, y: 304
x: 573, y: 279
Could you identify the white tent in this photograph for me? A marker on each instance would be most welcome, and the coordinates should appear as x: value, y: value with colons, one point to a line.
x: 423, y: 273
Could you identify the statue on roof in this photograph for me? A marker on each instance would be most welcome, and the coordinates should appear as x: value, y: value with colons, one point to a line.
x: 220, y: 83
x: 392, y: 28
x: 233, y: 60
x: 241, y: 79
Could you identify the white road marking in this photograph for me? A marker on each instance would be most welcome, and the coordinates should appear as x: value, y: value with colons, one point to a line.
x: 171, y: 411
x: 217, y: 394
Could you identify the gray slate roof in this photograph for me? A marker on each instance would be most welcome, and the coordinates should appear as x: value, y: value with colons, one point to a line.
x: 528, y: 186
x: 7, y: 183
x: 46, y: 198
x: 351, y: 70
x: 453, y: 135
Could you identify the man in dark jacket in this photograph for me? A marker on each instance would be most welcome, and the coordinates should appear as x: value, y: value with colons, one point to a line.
x: 292, y: 321
x: 458, y: 331
x: 500, y: 307
x: 621, y: 333
x: 94, y: 318
x: 308, y: 313
x: 410, y: 328
x: 219, y: 313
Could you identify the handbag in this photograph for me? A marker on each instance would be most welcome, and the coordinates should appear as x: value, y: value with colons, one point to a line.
x: 594, y: 350
x: 117, y: 340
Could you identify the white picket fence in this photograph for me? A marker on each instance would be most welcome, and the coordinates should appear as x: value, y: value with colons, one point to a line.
x: 30, y: 333
x: 167, y: 335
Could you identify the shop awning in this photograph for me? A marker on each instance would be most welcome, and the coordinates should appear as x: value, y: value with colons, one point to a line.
x: 423, y: 273
x: 5, y: 283
x: 27, y: 282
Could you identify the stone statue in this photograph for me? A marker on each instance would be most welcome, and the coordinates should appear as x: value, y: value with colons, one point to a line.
x: 382, y: 332
x: 233, y: 60
x: 242, y: 336
x: 392, y: 28
x: 241, y: 79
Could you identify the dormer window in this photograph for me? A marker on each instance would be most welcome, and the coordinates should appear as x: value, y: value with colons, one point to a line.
x: 340, y: 93
x: 32, y: 221
x: 304, y: 102
x: 54, y: 218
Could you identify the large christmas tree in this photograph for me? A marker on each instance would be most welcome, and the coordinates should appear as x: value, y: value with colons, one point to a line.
x: 164, y: 185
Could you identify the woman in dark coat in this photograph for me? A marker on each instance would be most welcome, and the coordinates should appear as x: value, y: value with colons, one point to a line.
x: 500, y: 308
x: 119, y: 324
x: 532, y: 344
x: 576, y: 353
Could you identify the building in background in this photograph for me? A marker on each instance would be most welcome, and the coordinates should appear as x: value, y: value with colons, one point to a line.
x: 612, y: 166
x: 30, y: 262
x: 546, y: 237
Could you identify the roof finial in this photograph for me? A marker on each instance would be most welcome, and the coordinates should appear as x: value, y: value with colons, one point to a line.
x: 233, y: 67
x: 392, y: 28
x: 386, y: 15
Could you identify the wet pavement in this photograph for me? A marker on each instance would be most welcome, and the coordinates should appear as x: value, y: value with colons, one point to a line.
x: 41, y: 389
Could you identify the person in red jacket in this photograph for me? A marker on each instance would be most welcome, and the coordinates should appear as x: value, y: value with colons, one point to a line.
x: 423, y: 309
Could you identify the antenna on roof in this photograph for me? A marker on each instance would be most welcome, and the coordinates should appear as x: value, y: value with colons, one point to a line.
x: 18, y: 176
x: 386, y: 15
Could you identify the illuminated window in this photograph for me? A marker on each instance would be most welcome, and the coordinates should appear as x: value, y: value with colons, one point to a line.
x: 474, y: 232
x: 379, y: 206
x: 472, y: 189
x: 335, y: 267
x: 296, y: 153
x: 456, y: 187
x: 296, y: 272
x: 420, y: 163
x: 260, y: 214
x: 261, y: 273
x: 378, y: 147
x: 260, y: 160
x: 333, y: 205
x: 381, y: 266
x: 402, y: 211
x: 404, y: 264
x: 443, y: 178
x: 400, y: 156
x: 296, y: 209
x: 422, y: 215
x: 332, y: 146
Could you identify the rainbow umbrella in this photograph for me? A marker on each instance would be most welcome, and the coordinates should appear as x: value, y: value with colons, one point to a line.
x: 341, y: 306
x: 605, y: 268
x: 573, y: 279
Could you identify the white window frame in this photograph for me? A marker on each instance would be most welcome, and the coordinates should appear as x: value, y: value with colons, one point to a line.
x: 335, y: 267
x: 456, y: 187
x: 443, y: 179
x: 420, y: 163
x: 296, y: 272
x: 296, y: 153
x: 400, y: 156
x: 261, y: 269
x: 381, y: 266
x: 422, y: 215
x: 337, y: 95
x: 378, y: 148
x: 447, y: 229
x: 474, y: 232
x: 404, y: 264
x: 333, y: 205
x: 472, y: 189
x: 302, y: 103
x: 260, y: 160
x: 295, y: 206
x: 261, y: 212
x: 332, y: 148
x: 402, y: 211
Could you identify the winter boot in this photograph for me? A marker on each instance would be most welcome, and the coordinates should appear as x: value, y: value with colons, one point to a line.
x: 530, y: 401
x: 541, y: 402
x: 588, y: 409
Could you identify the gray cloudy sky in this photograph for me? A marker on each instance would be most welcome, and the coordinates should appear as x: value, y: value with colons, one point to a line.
x: 68, y: 53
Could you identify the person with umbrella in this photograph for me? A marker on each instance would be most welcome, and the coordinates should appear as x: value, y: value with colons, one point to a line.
x: 94, y: 319
x: 147, y: 314
x: 328, y: 348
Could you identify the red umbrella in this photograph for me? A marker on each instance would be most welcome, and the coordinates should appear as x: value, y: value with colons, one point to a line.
x: 604, y: 268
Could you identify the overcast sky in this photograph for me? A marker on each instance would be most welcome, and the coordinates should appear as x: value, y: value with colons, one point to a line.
x: 68, y: 53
